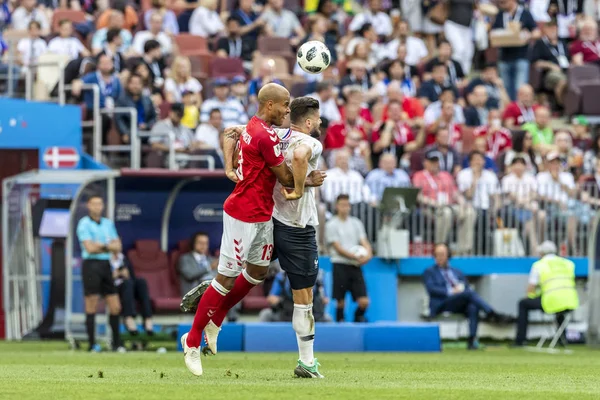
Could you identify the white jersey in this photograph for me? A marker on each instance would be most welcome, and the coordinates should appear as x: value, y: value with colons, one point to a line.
x: 303, y: 211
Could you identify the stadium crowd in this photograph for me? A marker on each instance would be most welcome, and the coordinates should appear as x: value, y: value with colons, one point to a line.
x: 405, y: 102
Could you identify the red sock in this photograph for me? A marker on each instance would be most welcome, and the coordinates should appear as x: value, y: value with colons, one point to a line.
x: 240, y: 289
x: 209, y: 304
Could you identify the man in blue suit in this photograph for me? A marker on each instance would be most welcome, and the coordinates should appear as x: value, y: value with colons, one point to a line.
x: 449, y: 291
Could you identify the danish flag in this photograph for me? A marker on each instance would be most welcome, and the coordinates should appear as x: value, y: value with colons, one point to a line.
x: 61, y: 157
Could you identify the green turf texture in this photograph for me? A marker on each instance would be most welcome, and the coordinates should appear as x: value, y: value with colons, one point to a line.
x: 47, y: 371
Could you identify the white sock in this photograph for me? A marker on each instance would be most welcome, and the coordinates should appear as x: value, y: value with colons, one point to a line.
x: 304, y: 325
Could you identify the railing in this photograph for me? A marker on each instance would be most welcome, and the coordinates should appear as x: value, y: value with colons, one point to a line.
x: 134, y: 148
x: 512, y: 224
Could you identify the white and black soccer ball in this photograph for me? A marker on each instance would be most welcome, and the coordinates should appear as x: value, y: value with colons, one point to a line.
x: 313, y: 57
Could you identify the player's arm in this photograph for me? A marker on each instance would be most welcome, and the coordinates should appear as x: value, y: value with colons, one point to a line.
x: 94, y: 247
x: 231, y: 137
x: 300, y: 158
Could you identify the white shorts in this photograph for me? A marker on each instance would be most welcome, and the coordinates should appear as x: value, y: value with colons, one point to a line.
x: 244, y: 242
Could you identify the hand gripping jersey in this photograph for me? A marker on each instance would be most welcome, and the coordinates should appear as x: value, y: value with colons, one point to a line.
x: 303, y: 211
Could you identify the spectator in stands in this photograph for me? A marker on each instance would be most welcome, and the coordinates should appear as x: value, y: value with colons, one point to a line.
x: 154, y: 32
x: 396, y: 136
x: 387, y: 175
x: 233, y: 46
x: 31, y: 47
x: 132, y: 97
x: 130, y: 16
x: 338, y: 131
x: 342, y: 180
x: 497, y: 96
x: 191, y: 113
x: 551, y: 55
x: 430, y: 90
x: 582, y: 139
x: 181, y: 80
x: 433, y: 112
x: 184, y: 141
x: 521, y: 209
x: 449, y: 291
x: 480, y: 145
x: 239, y: 90
x: 455, y: 74
x: 205, y: 20
x: 513, y: 62
x: 585, y: 49
x: 344, y: 233
x: 497, y: 138
x: 66, y: 44
x: 541, y: 132
x: 591, y: 156
x: 590, y: 193
x: 477, y: 113
x: 197, y: 265
x: 415, y: 50
x: 355, y: 96
x: 557, y: 192
x: 480, y: 188
x: 5, y: 66
x: 282, y: 303
x: 441, y: 201
x: 207, y: 133
x: 365, y: 46
x: 458, y: 31
x: 359, y: 150
x: 98, y: 240
x: 360, y: 77
x: 169, y: 19
x: 447, y: 121
x: 283, y: 23
x: 319, y: 29
x: 155, y: 62
x: 449, y: 159
x: 27, y: 12
x: 328, y: 107
x: 373, y: 15
x: 115, y: 21
x: 523, y: 147
x: 132, y: 291
x: 266, y: 74
x: 522, y: 110
x: 232, y: 111
x: 5, y: 15
x: 251, y: 23
x: 398, y: 71
x: 571, y: 157
x: 112, y: 49
x: 107, y: 82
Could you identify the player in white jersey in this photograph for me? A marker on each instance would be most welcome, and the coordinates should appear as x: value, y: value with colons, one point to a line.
x: 294, y: 231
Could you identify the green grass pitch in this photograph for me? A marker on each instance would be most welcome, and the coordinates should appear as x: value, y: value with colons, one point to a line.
x: 48, y: 371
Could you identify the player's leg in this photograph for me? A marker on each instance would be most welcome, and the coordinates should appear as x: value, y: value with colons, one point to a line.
x: 359, y: 294
x: 111, y: 295
x: 340, y: 287
x: 91, y: 291
x: 91, y: 304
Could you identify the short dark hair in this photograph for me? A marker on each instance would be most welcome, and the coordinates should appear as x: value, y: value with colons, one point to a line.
x: 476, y: 153
x: 444, y: 41
x: 214, y: 110
x: 323, y: 85
x: 341, y: 197
x: 94, y: 196
x: 364, y: 29
x: 196, y: 236
x: 301, y: 107
x: 437, y: 64
x: 64, y: 21
x: 151, y: 45
x: 34, y: 23
x: 134, y: 76
x: 112, y: 34
x: 232, y: 19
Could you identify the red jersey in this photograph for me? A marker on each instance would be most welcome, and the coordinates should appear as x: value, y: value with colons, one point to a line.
x: 454, y: 135
x: 589, y: 50
x: 402, y: 134
x: 252, y: 199
x: 519, y: 114
x: 336, y: 134
x: 498, y: 142
x: 411, y: 106
x: 364, y: 114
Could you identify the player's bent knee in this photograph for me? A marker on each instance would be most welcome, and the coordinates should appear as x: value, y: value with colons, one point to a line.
x: 225, y: 281
x: 257, y: 272
x: 363, y: 302
x: 303, y: 296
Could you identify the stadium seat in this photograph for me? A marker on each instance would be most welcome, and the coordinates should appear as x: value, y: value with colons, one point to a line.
x: 255, y: 300
x: 584, y: 84
x: 75, y: 16
x: 48, y: 73
x: 467, y: 139
x: 151, y: 263
x: 200, y: 62
x: 190, y: 44
x: 226, y: 67
x: 274, y: 45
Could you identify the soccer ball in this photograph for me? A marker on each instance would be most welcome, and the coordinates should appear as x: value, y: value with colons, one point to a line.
x: 359, y: 251
x: 313, y: 57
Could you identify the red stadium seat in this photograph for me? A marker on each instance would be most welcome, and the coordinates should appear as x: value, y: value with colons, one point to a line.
x: 274, y: 45
x: 190, y: 44
x: 226, y: 67
x: 76, y: 17
x: 255, y: 300
x: 151, y: 263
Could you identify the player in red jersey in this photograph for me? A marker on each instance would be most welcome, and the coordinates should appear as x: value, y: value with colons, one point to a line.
x: 247, y: 225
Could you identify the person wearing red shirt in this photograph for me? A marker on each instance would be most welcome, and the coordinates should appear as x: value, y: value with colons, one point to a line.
x: 498, y: 138
x: 521, y: 111
x: 441, y: 201
x: 447, y: 121
x: 354, y: 95
x: 395, y: 135
x: 337, y: 132
x: 586, y: 49
x: 411, y: 106
x: 247, y: 243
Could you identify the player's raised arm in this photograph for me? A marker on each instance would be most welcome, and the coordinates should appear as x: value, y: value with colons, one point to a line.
x: 300, y: 159
x: 230, y: 141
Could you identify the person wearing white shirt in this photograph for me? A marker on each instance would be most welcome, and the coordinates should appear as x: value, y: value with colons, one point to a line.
x: 327, y: 104
x: 343, y: 180
x: 155, y: 32
x: 557, y: 190
x: 387, y: 175
x: 29, y: 12
x: 32, y: 47
x: 66, y: 44
x: 208, y: 133
x: 433, y: 112
x: 284, y: 23
x: 521, y: 208
x: 232, y: 110
x: 415, y: 47
x: 373, y: 15
x: 205, y: 21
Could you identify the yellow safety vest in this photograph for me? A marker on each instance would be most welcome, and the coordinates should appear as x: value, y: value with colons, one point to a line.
x: 557, y: 284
